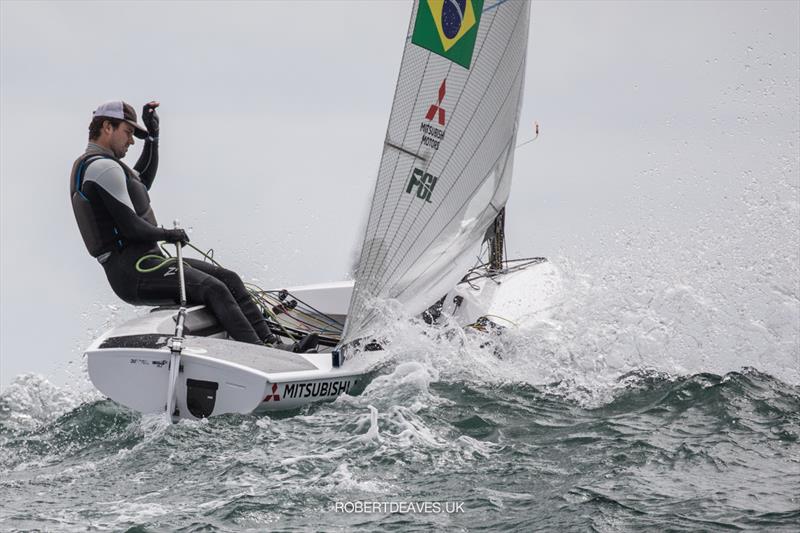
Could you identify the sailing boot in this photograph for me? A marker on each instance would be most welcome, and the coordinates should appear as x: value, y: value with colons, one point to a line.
x: 307, y: 344
x: 273, y: 341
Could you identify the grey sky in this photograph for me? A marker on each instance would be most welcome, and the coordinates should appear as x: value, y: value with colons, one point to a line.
x: 656, y: 118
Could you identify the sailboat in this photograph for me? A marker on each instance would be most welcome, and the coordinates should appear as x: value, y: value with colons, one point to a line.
x: 439, y: 199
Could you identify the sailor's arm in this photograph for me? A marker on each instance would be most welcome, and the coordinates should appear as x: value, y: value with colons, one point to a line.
x: 147, y: 165
x: 110, y: 181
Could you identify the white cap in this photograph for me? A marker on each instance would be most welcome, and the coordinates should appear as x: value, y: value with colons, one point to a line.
x: 122, y: 111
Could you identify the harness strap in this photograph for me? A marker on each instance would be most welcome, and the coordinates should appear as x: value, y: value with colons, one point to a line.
x: 79, y: 173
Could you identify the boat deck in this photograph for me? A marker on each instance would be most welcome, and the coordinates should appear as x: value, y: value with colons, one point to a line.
x: 261, y: 358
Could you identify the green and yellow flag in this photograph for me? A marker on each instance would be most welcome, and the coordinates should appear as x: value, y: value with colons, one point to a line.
x: 448, y: 28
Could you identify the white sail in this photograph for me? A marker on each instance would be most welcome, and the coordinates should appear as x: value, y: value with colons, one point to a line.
x: 447, y: 161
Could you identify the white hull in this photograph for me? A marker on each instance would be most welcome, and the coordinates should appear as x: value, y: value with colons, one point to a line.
x: 130, y: 363
x: 238, y: 378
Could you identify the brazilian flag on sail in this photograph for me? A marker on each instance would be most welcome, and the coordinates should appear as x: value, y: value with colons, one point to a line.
x: 448, y: 28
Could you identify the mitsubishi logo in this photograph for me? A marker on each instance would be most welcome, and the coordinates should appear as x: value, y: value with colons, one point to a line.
x: 432, y: 112
x: 274, y: 396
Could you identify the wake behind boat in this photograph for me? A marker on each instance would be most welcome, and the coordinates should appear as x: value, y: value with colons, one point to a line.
x: 440, y: 196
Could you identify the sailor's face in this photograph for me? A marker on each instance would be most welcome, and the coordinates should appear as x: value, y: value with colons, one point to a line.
x: 121, y: 139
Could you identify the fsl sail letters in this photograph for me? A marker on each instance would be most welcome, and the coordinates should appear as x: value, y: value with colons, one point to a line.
x: 424, y: 182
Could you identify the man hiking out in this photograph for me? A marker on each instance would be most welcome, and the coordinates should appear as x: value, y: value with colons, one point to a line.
x: 112, y: 207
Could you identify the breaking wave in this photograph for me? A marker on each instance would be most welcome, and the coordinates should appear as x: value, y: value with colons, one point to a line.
x: 654, y: 454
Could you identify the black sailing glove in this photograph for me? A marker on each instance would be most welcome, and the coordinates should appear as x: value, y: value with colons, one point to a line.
x: 176, y: 235
x: 150, y: 119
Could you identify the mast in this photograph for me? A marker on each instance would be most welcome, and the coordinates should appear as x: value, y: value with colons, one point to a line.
x: 497, y: 241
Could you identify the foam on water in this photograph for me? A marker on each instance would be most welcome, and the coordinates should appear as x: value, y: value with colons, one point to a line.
x: 419, y: 423
x: 31, y: 400
x: 601, y: 327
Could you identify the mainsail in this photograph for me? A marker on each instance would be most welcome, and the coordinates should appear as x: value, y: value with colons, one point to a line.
x: 447, y: 160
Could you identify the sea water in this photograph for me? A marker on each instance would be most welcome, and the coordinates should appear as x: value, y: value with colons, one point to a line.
x: 636, y: 404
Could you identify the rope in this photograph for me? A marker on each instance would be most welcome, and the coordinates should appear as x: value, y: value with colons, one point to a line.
x: 164, y: 261
x: 502, y: 318
x: 305, y: 317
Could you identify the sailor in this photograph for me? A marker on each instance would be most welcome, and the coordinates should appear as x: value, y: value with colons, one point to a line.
x: 112, y: 207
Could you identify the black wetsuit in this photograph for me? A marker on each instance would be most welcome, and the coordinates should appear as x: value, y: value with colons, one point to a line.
x: 112, y: 207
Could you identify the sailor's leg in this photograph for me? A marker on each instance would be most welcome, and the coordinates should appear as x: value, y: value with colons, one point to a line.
x: 236, y: 287
x: 201, y: 288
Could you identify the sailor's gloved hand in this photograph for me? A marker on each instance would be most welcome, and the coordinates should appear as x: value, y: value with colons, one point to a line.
x: 176, y: 235
x: 150, y: 118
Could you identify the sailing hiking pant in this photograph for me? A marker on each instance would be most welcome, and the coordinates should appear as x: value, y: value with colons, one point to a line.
x: 221, y: 290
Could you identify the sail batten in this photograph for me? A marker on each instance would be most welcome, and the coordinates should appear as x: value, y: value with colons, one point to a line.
x: 457, y: 100
x: 405, y: 150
